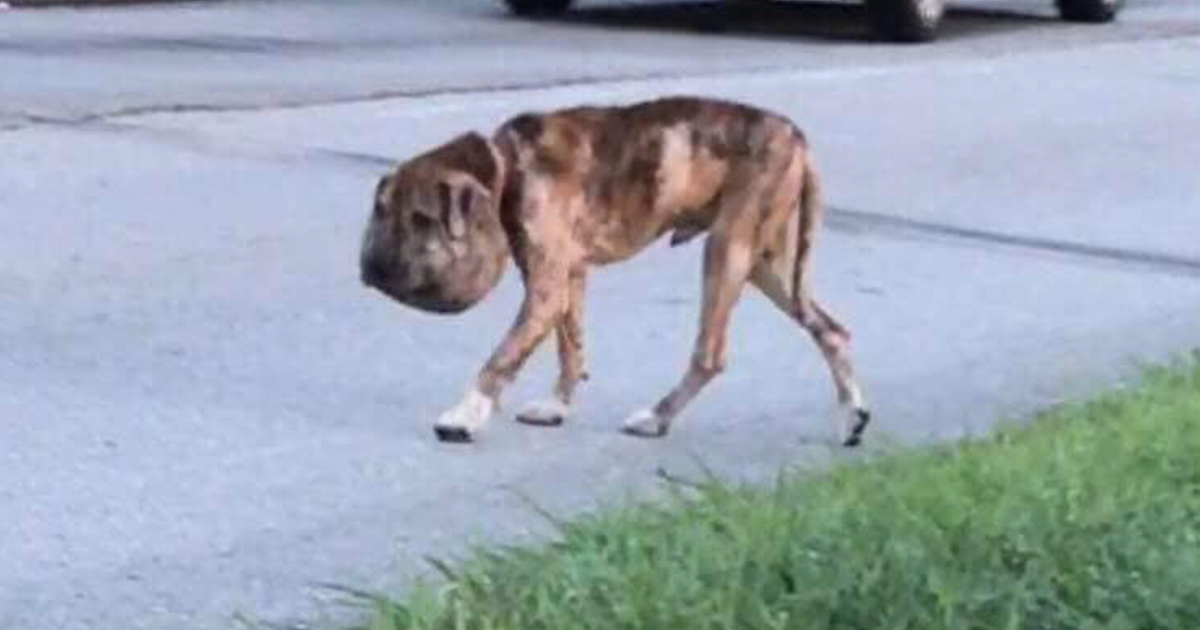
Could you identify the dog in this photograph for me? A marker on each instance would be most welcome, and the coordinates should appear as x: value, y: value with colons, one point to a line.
x: 560, y: 192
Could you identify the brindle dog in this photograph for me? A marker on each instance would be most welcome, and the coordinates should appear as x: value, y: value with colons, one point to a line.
x: 563, y: 191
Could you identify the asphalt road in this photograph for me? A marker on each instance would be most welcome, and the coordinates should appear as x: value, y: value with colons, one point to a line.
x: 203, y: 413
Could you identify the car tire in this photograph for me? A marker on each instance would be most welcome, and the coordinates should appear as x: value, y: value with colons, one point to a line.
x: 1089, y: 10
x: 906, y: 20
x: 537, y: 7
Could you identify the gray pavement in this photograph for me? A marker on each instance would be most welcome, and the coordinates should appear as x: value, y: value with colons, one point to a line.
x: 203, y: 413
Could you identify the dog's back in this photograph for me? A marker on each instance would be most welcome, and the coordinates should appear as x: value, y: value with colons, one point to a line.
x: 633, y: 173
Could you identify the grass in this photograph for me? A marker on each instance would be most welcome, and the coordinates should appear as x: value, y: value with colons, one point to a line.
x: 1088, y: 518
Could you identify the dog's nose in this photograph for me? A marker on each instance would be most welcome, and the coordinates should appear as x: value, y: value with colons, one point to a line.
x: 373, y: 271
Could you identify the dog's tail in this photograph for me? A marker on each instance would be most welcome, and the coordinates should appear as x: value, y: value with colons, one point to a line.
x: 811, y: 213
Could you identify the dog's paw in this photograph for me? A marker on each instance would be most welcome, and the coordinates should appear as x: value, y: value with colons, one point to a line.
x: 456, y: 435
x: 645, y: 423
x: 852, y: 425
x: 543, y: 413
x: 462, y: 422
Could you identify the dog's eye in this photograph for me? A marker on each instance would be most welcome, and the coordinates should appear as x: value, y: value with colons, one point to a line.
x: 465, y: 199
x: 422, y: 222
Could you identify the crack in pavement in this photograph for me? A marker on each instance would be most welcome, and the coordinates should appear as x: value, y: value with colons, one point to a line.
x: 842, y: 220
x: 213, y: 43
x: 233, y: 147
x: 857, y: 221
x: 25, y: 120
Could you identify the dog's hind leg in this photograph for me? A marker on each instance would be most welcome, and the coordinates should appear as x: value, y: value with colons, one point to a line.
x: 777, y: 280
x: 727, y: 263
x: 569, y: 332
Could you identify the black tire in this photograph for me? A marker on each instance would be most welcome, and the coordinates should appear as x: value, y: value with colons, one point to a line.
x: 1089, y: 10
x: 537, y: 7
x: 906, y: 20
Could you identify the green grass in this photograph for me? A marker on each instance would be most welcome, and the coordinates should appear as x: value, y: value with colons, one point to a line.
x: 1088, y: 518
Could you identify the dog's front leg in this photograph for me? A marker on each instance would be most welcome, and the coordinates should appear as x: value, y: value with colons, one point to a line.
x: 543, y: 307
x: 554, y: 411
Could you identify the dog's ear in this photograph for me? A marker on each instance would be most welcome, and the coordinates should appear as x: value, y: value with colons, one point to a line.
x: 472, y: 154
x: 476, y: 157
x: 469, y: 171
x: 460, y: 201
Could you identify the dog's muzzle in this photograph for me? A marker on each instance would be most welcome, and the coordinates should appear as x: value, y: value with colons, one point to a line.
x: 374, y: 272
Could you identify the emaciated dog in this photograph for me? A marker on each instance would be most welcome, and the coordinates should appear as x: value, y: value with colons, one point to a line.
x: 563, y: 191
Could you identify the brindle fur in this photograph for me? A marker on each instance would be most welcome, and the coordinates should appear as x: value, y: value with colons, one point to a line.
x: 567, y: 190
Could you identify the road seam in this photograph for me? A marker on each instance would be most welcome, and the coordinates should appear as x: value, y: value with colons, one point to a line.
x: 857, y: 221
x: 971, y: 65
x: 839, y: 219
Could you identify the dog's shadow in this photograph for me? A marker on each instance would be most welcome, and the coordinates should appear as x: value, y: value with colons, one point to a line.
x: 781, y: 19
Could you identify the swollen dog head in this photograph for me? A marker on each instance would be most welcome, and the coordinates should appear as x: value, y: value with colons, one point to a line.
x: 434, y: 240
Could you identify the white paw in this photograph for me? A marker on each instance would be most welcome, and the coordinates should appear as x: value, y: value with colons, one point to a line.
x: 645, y: 423
x: 464, y: 420
x: 545, y: 413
